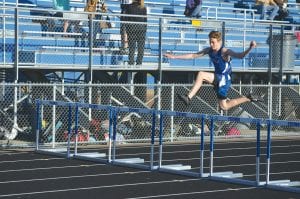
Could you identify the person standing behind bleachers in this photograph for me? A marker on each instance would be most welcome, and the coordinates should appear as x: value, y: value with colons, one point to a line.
x: 136, y: 31
x: 62, y: 5
x: 283, y: 12
x: 266, y: 6
x: 97, y: 6
x: 193, y: 8
x: 124, y: 39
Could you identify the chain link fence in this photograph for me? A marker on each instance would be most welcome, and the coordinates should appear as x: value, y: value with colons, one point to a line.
x: 18, y: 114
x: 34, y: 39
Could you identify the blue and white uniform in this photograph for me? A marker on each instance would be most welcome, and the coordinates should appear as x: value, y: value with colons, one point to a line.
x: 222, y: 81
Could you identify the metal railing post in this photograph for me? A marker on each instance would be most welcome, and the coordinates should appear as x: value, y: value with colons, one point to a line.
x: 38, y: 126
x: 69, y: 130
x: 161, y: 129
x: 172, y: 109
x: 54, y: 118
x: 76, y: 128
x: 202, y: 146
x: 258, y: 125
x: 152, y: 139
x: 211, y: 147
x: 268, y: 152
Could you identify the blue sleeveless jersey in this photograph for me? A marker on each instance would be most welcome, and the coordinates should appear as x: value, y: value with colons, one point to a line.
x: 223, y: 71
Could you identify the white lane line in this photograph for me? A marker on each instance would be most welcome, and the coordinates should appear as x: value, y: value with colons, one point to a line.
x: 197, y: 144
x: 197, y: 150
x: 49, y: 168
x: 41, y: 159
x: 69, y: 177
x: 97, y: 187
x: 14, y: 153
x: 194, y: 193
x: 273, y: 173
x: 228, y: 156
x: 273, y: 154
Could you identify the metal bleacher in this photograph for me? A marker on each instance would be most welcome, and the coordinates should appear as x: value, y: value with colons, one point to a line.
x: 50, y: 50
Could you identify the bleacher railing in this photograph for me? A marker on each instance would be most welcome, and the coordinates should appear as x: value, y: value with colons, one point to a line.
x: 31, y: 41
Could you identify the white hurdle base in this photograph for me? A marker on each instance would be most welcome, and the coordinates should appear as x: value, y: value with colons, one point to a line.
x: 230, y: 177
x: 130, y: 160
x: 62, y: 152
x: 281, y: 183
x: 137, y: 163
x: 227, y: 174
x: 91, y: 156
x: 177, y: 167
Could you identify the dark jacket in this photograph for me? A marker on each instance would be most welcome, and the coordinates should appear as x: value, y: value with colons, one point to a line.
x: 136, y: 9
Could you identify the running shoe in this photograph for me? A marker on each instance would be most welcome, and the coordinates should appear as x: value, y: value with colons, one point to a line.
x: 255, y: 98
x: 185, y: 99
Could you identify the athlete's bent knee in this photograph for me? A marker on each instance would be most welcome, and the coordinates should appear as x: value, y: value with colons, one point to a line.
x: 224, y: 107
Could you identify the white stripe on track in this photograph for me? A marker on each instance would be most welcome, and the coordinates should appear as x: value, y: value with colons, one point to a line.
x: 49, y: 168
x: 68, y: 177
x: 14, y: 153
x: 194, y: 193
x: 272, y: 173
x: 41, y: 159
x: 215, y: 150
x: 229, y: 156
x: 197, y: 144
x: 97, y: 187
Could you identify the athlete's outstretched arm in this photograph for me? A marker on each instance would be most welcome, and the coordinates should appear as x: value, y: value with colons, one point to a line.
x: 242, y: 54
x: 187, y: 56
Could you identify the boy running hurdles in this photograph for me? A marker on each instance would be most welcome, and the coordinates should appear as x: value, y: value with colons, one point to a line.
x: 221, y: 78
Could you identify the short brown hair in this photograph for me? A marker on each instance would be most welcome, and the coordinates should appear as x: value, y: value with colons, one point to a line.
x: 215, y: 35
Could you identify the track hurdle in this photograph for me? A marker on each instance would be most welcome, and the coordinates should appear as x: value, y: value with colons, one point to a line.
x: 103, y: 151
x: 69, y: 141
x: 189, y: 162
x: 285, y: 163
x: 242, y: 135
x: 265, y: 135
x: 46, y: 143
x: 141, y: 156
x: 280, y: 130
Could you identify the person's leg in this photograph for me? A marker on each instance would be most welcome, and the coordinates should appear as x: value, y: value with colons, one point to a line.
x: 97, y: 30
x: 201, y: 77
x: 124, y: 39
x: 274, y: 11
x: 263, y: 12
x: 131, y: 45
x: 226, y: 104
x: 197, y: 11
x: 66, y: 25
x: 141, y: 47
